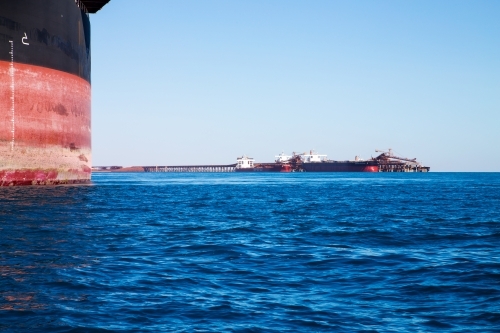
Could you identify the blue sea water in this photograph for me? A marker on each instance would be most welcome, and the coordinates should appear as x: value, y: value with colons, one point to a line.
x: 306, y: 252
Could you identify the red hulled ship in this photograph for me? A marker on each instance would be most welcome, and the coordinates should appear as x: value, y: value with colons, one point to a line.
x: 45, y: 95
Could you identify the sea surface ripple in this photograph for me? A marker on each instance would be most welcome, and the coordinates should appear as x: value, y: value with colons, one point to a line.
x: 304, y: 252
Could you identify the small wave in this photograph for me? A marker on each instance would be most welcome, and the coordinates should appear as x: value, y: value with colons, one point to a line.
x: 437, y: 324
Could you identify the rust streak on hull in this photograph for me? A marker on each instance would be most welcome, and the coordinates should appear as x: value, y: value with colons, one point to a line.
x: 52, y: 127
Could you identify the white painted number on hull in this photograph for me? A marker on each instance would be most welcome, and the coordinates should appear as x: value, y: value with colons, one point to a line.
x: 25, y: 38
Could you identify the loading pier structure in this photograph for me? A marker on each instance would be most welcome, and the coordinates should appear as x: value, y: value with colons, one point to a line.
x: 305, y: 162
x: 388, y: 162
x: 167, y: 168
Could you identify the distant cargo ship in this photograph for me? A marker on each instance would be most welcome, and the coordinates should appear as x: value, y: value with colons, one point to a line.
x: 385, y: 162
x: 45, y: 95
x: 247, y: 164
x: 313, y: 162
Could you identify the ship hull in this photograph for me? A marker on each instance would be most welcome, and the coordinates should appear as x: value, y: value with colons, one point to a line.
x: 256, y: 170
x: 267, y: 167
x: 341, y: 167
x: 45, y: 93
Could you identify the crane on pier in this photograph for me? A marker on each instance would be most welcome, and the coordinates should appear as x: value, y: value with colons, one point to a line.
x: 390, y: 155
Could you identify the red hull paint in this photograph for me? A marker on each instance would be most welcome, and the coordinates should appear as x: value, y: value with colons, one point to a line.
x: 371, y: 168
x: 45, y: 134
x: 37, y: 177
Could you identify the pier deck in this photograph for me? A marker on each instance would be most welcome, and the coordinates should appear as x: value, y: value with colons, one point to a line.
x: 168, y: 168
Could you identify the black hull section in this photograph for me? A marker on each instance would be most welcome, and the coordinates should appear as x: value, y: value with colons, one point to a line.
x: 45, y: 93
x: 53, y: 34
x: 346, y: 166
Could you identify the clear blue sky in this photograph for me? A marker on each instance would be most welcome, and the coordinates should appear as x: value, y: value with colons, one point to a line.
x: 185, y: 82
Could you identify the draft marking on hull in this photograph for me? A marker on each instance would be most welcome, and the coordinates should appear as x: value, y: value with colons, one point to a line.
x: 12, y: 95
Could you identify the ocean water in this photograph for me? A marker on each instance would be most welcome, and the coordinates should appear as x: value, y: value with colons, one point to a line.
x: 306, y: 252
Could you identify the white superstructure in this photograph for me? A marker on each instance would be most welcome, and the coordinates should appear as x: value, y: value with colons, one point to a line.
x: 282, y: 158
x: 244, y: 162
x: 312, y: 157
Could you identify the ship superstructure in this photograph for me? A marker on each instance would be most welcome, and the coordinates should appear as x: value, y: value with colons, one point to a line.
x: 244, y: 163
x: 312, y: 157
